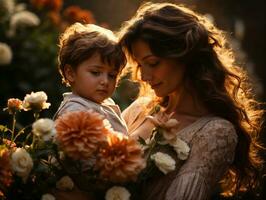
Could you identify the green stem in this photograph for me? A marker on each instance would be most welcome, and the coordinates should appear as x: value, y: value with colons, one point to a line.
x: 26, y: 140
x: 33, y: 141
x: 36, y: 115
x: 21, y: 132
x: 152, y: 145
x: 13, y: 129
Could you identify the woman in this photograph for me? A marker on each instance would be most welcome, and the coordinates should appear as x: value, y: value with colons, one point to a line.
x: 187, y: 64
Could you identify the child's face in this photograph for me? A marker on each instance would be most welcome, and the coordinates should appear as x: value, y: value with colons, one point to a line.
x: 93, y: 79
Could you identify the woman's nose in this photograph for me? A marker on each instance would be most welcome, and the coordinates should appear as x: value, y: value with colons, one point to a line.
x: 145, y: 75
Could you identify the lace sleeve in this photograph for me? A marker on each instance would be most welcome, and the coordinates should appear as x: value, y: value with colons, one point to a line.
x: 212, y: 151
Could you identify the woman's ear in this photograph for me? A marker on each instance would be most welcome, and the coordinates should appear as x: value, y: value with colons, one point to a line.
x: 69, y: 73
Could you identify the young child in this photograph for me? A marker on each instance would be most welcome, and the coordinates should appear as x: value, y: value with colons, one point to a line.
x: 90, y: 62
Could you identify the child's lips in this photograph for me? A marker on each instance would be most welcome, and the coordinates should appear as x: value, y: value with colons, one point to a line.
x: 102, y: 91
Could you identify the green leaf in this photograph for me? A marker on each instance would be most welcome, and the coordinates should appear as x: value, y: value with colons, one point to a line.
x: 158, y: 135
x: 141, y: 141
x: 41, y: 168
x: 43, y: 153
x: 3, y: 128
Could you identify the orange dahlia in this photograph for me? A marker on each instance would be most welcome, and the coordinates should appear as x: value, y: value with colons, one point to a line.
x: 54, y: 5
x: 54, y: 17
x: 120, y: 161
x: 76, y: 14
x: 80, y: 133
x: 5, y: 168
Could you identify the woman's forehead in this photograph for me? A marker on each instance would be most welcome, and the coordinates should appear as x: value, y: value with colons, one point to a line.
x: 141, y: 50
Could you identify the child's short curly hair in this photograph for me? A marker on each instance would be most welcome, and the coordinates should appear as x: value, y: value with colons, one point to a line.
x: 79, y: 42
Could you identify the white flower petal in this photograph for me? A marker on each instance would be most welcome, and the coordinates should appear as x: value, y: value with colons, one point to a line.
x: 164, y: 162
x: 47, y: 197
x: 44, y: 128
x: 182, y: 149
x: 117, y: 193
x: 5, y: 54
x: 65, y: 183
x: 21, y: 163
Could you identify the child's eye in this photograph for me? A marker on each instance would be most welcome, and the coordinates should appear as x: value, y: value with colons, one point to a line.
x: 95, y: 73
x: 112, y: 76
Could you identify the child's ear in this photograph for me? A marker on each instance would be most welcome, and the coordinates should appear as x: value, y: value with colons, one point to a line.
x: 69, y: 73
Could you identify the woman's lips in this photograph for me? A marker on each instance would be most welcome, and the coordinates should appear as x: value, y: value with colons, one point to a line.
x: 155, y: 86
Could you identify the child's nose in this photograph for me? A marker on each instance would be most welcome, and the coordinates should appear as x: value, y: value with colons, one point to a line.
x: 104, y: 78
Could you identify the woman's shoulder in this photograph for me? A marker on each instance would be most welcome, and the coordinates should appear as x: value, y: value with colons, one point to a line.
x: 218, y: 129
x: 216, y: 122
x: 219, y: 124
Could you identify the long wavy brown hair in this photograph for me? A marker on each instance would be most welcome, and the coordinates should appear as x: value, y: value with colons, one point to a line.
x: 174, y: 31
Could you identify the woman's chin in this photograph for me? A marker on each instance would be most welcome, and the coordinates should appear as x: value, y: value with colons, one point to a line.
x: 160, y: 93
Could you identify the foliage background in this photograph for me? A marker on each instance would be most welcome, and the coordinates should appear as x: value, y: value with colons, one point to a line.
x: 34, y: 63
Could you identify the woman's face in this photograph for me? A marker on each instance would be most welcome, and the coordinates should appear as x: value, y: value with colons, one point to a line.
x: 164, y: 75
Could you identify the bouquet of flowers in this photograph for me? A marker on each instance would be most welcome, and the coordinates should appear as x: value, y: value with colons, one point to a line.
x: 25, y: 170
x: 164, y: 150
x: 78, y: 149
x: 97, y: 158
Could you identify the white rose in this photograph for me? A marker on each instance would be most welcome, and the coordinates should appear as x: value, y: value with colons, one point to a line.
x: 22, y: 19
x: 5, y: 54
x: 7, y: 6
x: 47, y: 197
x: 65, y: 183
x: 21, y: 163
x: 117, y: 193
x: 44, y: 128
x: 35, y: 101
x: 20, y: 7
x: 164, y: 162
x: 181, y: 148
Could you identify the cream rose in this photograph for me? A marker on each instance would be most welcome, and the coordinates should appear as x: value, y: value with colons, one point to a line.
x: 21, y: 163
x: 117, y: 193
x: 168, y: 124
x: 35, y: 101
x: 181, y: 148
x: 47, y: 197
x: 7, y: 7
x: 22, y: 19
x: 164, y: 162
x: 65, y: 183
x: 44, y: 128
x: 5, y: 54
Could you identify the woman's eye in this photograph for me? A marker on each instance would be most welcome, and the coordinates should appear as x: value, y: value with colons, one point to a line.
x: 154, y: 64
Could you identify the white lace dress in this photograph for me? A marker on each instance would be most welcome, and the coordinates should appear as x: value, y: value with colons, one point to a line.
x: 212, y: 141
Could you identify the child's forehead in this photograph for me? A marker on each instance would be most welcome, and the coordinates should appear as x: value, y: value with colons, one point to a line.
x: 98, y: 61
